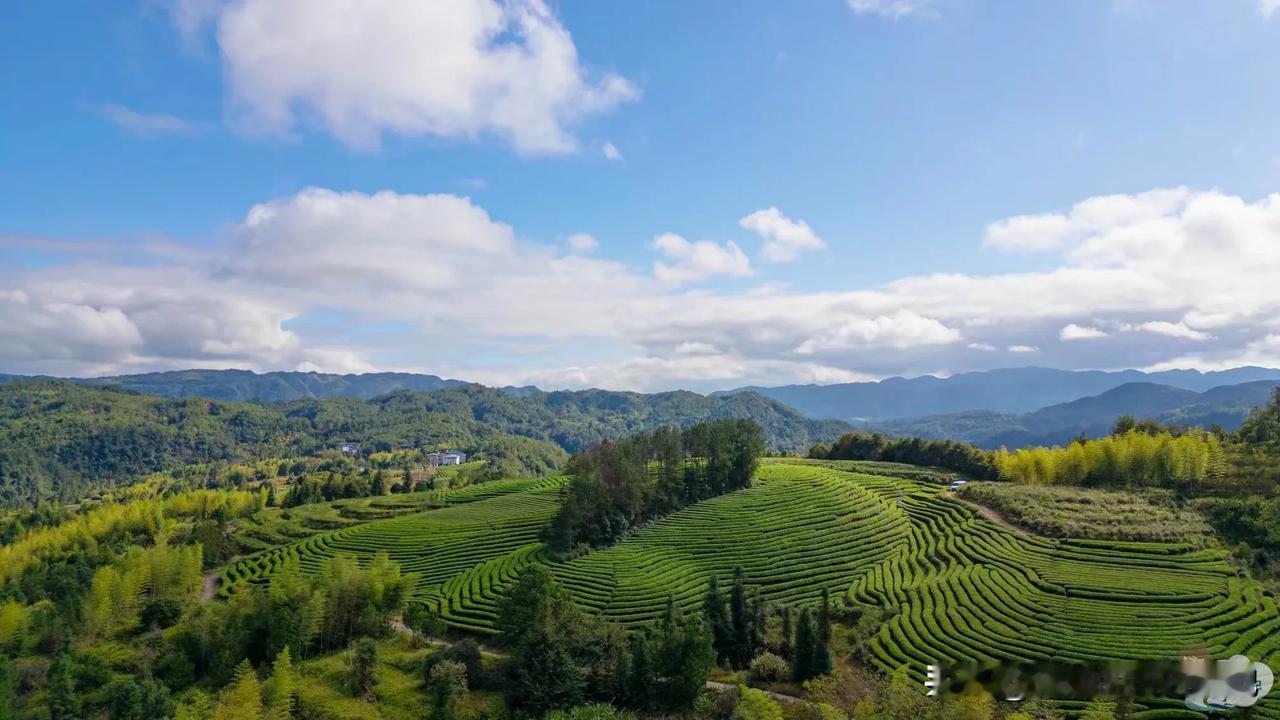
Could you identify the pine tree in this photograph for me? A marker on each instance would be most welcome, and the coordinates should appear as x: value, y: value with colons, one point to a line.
x: 822, y: 641
x: 639, y: 680
x: 713, y: 608
x: 280, y: 690
x: 364, y: 664
x: 759, y: 623
x: 802, y: 663
x: 788, y: 633
x: 242, y: 700
x: 740, y: 620
x: 64, y: 703
x: 379, y: 486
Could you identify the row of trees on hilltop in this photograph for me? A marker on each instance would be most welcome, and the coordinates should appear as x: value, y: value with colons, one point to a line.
x: 949, y: 454
x: 618, y: 485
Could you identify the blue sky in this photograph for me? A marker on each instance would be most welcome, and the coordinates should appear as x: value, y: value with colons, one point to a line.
x: 817, y: 192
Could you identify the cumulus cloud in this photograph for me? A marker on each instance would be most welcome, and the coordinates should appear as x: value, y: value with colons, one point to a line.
x: 457, y: 70
x: 458, y: 290
x: 610, y: 151
x: 582, y: 242
x: 784, y: 238
x: 1072, y: 331
x: 892, y: 8
x: 903, y: 329
x: 696, y: 261
x: 148, y: 124
x: 1088, y: 218
x: 1268, y: 7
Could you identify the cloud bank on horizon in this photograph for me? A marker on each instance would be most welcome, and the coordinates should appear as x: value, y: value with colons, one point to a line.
x: 339, y: 280
x: 1167, y: 278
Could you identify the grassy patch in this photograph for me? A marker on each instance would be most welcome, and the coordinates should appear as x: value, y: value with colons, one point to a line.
x: 1060, y: 511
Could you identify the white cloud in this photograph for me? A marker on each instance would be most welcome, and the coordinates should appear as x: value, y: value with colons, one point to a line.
x: 1052, y: 231
x: 147, y: 124
x: 1268, y: 7
x: 695, y: 348
x: 610, y: 151
x: 784, y: 238
x: 904, y: 329
x: 691, y: 371
x: 459, y: 70
x: 1177, y: 330
x: 892, y: 8
x: 1023, y: 349
x: 582, y: 242
x: 1072, y: 331
x: 697, y: 260
x: 463, y: 292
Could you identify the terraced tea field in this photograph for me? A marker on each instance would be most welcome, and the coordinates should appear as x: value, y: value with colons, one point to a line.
x: 273, y: 527
x: 437, y: 545
x: 958, y: 587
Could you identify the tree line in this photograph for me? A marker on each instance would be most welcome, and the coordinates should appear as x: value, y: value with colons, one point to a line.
x: 618, y: 485
x: 1130, y: 458
x: 949, y: 454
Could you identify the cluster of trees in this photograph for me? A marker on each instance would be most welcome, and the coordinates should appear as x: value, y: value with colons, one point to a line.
x: 1134, y: 458
x: 80, y: 539
x: 316, y: 613
x: 740, y: 627
x: 1261, y: 430
x: 561, y: 658
x: 616, y: 486
x: 147, y: 588
x: 958, y: 456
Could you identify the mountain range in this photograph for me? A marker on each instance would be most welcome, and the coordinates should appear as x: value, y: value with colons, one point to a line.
x: 1012, y: 390
x: 1093, y: 416
x: 246, y: 385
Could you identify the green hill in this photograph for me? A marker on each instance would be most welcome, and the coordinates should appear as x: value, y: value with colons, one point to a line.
x: 66, y: 440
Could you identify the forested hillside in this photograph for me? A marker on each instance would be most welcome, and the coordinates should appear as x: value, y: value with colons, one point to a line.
x: 64, y: 440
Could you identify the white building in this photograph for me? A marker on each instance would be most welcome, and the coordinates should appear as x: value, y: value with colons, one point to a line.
x: 450, y: 457
x: 349, y: 448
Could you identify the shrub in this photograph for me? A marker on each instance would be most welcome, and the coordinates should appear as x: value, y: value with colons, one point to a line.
x: 767, y: 667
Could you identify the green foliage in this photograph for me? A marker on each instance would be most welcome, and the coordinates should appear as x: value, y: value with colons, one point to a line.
x: 1133, y: 459
x: 63, y: 698
x: 593, y: 711
x: 616, y: 486
x: 446, y: 683
x: 1261, y: 430
x: 756, y: 705
x: 767, y: 667
x: 362, y: 659
x: 143, y: 699
x: 957, y: 456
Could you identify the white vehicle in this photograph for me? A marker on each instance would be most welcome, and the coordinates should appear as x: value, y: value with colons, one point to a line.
x: 958, y: 484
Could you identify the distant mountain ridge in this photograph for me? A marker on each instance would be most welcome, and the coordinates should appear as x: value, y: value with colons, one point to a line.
x: 280, y: 386
x: 1011, y: 390
x: 1093, y: 416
